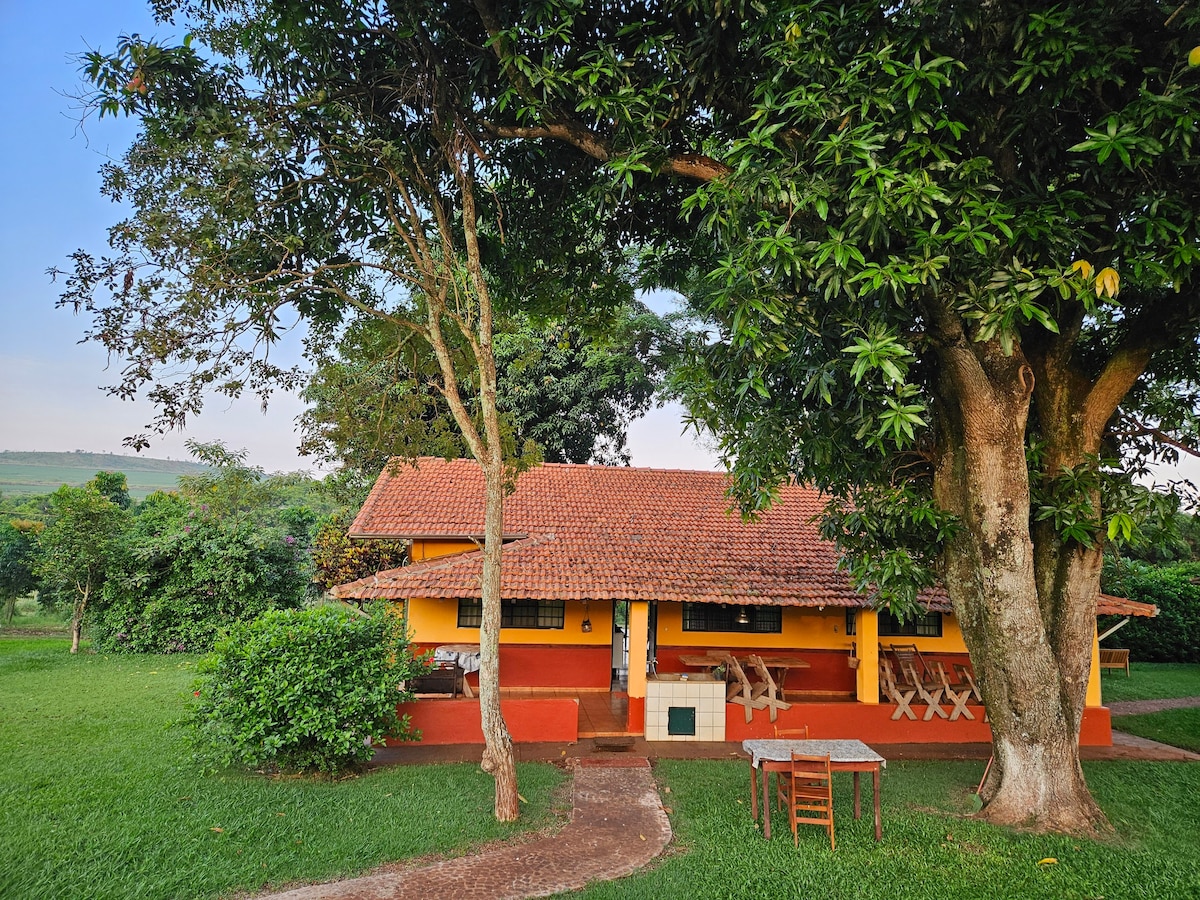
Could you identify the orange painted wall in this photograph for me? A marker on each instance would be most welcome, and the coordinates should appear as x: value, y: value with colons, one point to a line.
x: 874, y: 724
x: 436, y: 622
x: 529, y: 721
x: 421, y: 550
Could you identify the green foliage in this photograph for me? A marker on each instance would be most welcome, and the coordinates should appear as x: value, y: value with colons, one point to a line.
x: 183, y: 574
x: 1174, y: 634
x: 114, y: 486
x: 18, y: 555
x: 78, y: 548
x: 310, y: 690
x: 338, y: 560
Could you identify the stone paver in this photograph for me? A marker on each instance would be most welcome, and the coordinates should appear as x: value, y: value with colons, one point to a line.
x: 617, y: 826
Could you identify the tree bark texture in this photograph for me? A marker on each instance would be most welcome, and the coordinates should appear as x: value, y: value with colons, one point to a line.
x: 1028, y: 671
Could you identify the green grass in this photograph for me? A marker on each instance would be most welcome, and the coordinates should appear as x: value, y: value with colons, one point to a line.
x: 28, y: 616
x: 100, y: 798
x: 1152, y: 681
x: 1177, y: 727
x: 930, y: 849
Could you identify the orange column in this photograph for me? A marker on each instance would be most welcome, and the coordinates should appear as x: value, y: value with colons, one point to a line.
x: 866, y: 633
x: 1093, y: 697
x: 639, y: 629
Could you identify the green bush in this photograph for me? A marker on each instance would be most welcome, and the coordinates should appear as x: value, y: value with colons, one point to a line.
x: 1174, y: 634
x: 311, y: 690
x: 183, y: 574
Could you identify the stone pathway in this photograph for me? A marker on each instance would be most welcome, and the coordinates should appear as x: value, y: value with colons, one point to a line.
x: 617, y: 826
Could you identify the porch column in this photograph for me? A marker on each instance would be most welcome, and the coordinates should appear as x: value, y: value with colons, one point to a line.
x: 639, y: 628
x: 1094, y: 697
x: 866, y: 632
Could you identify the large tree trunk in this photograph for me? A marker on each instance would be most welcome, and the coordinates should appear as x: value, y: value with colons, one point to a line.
x: 1027, y: 664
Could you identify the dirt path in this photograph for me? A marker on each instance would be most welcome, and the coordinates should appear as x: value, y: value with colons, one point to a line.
x: 1138, y: 707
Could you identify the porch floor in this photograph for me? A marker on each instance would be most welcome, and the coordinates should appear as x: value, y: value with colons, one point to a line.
x: 601, y: 713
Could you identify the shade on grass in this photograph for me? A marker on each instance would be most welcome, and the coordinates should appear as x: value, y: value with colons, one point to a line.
x: 99, y: 798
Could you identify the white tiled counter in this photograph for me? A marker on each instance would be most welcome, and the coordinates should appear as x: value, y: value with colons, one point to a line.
x: 685, y: 708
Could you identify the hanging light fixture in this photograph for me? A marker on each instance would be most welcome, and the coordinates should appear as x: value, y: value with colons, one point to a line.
x: 586, y: 624
x: 743, y: 618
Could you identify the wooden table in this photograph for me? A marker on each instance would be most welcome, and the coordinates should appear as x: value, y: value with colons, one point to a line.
x: 775, y: 755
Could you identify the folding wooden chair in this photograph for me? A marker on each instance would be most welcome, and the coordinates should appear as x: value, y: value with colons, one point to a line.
x: 964, y: 673
x: 900, y: 694
x: 930, y: 692
x: 811, y: 795
x: 957, y: 693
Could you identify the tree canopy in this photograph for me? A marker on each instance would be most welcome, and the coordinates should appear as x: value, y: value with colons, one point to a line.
x: 946, y: 253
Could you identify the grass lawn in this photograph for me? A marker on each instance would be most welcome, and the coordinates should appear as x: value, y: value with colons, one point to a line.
x: 1177, y: 727
x: 100, y: 799
x: 929, y: 848
x: 28, y: 615
x: 1152, y: 681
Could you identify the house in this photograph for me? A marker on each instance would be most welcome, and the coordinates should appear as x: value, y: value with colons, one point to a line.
x: 624, y: 587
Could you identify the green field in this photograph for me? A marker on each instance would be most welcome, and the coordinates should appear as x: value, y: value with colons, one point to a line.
x: 42, y: 473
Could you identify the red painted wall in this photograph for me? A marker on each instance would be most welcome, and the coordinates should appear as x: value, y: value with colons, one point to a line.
x: 529, y: 721
x: 549, y: 665
x: 828, y: 669
x: 874, y: 723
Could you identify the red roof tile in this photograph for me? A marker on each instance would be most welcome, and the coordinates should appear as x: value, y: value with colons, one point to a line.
x: 1108, y: 605
x: 606, y: 533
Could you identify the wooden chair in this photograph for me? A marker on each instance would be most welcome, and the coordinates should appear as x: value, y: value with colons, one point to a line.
x: 782, y: 782
x: 810, y: 795
x: 957, y: 693
x: 930, y: 692
x: 965, y: 674
x: 899, y: 693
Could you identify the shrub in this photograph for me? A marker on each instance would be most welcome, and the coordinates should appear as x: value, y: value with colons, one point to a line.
x: 311, y: 690
x: 1174, y: 634
x: 184, y: 574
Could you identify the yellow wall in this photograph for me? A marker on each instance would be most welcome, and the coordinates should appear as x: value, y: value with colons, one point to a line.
x: 803, y: 627
x: 1093, y: 697
x: 436, y: 622
x: 421, y: 550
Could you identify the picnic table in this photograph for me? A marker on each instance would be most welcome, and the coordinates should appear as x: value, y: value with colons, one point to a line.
x: 775, y: 755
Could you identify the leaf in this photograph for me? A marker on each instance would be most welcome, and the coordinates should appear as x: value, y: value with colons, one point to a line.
x: 1194, y: 57
x: 1048, y: 861
x: 1083, y: 267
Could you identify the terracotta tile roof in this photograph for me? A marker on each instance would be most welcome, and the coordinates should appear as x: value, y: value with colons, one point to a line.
x: 1108, y: 605
x: 606, y: 533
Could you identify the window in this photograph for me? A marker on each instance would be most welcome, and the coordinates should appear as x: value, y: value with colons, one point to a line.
x: 925, y: 625
x: 515, y: 613
x: 719, y: 617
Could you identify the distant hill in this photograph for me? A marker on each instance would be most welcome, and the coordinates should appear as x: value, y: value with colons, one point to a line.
x: 41, y: 473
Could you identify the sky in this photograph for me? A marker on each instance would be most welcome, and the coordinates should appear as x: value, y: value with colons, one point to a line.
x: 51, y: 395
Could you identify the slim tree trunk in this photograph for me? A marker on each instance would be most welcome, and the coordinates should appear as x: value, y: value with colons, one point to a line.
x: 77, y: 618
x: 982, y: 477
x: 498, y: 756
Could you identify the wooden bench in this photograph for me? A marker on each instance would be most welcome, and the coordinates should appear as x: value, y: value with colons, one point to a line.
x: 1115, y: 659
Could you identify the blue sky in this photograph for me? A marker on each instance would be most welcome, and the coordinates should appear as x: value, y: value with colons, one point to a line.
x: 50, y: 205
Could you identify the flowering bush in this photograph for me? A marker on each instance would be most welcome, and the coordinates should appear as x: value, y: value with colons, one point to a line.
x: 183, y: 575
x: 311, y: 690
